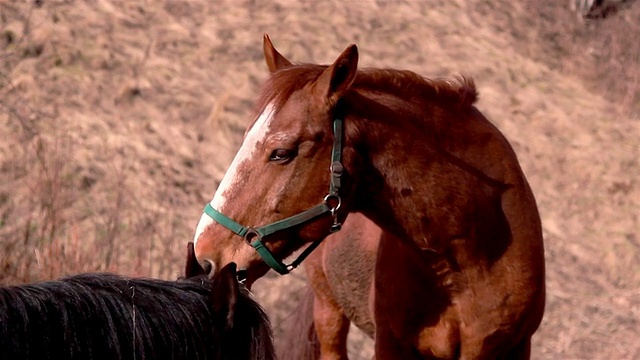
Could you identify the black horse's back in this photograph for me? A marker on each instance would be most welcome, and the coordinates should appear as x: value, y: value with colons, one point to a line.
x: 106, y: 316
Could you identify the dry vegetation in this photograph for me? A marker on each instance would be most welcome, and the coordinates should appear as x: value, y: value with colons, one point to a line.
x: 117, y: 119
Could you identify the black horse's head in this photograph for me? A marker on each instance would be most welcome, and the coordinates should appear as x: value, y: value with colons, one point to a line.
x: 241, y: 322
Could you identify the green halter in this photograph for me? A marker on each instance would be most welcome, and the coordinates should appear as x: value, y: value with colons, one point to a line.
x: 254, y: 235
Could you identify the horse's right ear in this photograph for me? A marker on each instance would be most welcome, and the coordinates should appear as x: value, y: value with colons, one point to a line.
x: 336, y: 79
x: 192, y: 267
x: 275, y: 60
x: 225, y: 293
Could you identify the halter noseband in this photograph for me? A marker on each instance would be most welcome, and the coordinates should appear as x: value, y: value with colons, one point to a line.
x: 254, y: 235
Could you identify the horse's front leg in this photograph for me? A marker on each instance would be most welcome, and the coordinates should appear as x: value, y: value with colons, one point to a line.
x: 332, y: 327
x: 331, y: 324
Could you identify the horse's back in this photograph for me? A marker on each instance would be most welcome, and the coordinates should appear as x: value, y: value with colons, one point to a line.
x: 100, y: 315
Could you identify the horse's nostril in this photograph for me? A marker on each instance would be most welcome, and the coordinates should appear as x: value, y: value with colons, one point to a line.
x: 241, y: 275
x: 207, y: 266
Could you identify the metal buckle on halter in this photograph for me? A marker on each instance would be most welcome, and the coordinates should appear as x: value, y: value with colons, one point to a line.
x: 336, y: 168
x: 336, y: 226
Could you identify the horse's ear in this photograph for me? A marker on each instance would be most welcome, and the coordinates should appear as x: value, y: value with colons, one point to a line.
x: 225, y: 293
x: 337, y: 78
x: 275, y: 60
x: 192, y: 267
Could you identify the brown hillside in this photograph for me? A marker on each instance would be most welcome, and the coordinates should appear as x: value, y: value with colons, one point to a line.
x: 118, y: 119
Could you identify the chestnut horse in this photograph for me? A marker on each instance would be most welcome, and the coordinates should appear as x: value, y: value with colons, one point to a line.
x: 459, y: 270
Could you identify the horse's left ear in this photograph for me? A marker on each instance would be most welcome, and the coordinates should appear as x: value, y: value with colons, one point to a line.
x: 192, y: 267
x: 275, y: 60
x: 337, y: 78
x: 225, y: 293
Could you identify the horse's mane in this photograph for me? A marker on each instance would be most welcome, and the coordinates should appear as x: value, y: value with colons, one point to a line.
x: 460, y: 91
x: 99, y: 315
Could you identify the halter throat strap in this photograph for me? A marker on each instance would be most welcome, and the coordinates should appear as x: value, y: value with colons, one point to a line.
x: 330, y: 204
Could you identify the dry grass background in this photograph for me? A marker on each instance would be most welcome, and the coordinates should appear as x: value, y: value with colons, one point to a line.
x: 118, y: 119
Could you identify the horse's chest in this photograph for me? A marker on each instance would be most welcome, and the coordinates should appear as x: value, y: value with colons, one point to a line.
x: 349, y: 269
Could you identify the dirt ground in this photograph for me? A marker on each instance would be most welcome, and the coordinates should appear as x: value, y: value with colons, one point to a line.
x: 119, y: 118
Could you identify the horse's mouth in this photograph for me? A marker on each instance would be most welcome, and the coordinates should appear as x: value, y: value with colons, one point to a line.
x: 247, y: 275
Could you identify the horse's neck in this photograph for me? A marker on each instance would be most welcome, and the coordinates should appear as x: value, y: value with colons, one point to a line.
x: 425, y: 184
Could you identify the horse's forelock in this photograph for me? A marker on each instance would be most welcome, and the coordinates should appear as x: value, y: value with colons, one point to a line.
x: 282, y: 84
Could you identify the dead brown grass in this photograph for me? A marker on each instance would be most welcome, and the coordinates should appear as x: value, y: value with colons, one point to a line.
x: 117, y: 119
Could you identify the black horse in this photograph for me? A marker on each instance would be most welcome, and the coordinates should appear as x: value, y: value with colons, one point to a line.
x: 106, y: 316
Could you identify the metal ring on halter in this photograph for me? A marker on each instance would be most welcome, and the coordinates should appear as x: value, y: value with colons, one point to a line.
x: 329, y: 197
x: 251, y: 235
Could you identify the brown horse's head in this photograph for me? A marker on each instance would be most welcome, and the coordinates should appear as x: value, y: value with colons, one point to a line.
x: 283, y: 166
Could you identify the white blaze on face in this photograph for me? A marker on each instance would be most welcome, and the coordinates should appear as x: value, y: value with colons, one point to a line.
x: 255, y: 136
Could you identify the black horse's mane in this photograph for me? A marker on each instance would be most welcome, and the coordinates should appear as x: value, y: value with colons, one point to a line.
x: 107, y: 316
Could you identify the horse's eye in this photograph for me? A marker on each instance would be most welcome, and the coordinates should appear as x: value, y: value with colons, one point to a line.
x: 281, y: 155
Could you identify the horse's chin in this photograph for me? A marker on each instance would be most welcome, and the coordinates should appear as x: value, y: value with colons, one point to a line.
x: 250, y: 274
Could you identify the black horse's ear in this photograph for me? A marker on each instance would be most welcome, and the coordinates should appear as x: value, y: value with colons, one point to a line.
x: 225, y: 293
x: 192, y: 267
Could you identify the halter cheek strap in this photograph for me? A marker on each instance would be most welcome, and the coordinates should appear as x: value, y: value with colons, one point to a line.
x: 254, y: 236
